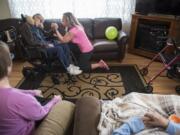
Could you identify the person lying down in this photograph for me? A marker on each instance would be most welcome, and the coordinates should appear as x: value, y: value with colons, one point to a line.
x: 141, y: 114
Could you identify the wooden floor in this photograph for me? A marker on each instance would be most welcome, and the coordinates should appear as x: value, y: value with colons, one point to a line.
x: 162, y: 85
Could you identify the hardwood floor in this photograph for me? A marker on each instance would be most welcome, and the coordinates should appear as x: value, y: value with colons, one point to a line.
x: 162, y: 85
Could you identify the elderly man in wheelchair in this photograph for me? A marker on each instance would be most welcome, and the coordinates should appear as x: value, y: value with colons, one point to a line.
x: 38, y: 47
x: 34, y: 38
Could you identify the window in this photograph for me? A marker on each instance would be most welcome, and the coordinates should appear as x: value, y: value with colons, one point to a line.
x: 80, y: 8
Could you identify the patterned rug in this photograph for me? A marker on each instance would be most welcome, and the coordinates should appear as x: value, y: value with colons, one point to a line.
x: 119, y: 80
x: 100, y: 85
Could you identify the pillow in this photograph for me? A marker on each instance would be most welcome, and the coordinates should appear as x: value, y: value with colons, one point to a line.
x: 58, y: 120
x: 30, y: 20
x: 87, y: 116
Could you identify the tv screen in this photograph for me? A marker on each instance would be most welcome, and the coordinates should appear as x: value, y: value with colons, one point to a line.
x: 168, y: 7
x: 175, y: 7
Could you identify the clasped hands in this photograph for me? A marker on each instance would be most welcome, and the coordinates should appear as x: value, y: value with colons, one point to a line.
x: 54, y: 26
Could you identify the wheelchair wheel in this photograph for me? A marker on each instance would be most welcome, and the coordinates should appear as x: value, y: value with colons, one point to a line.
x: 178, y: 89
x: 55, y: 79
x: 29, y: 72
x: 26, y: 71
x: 168, y: 74
x: 148, y: 89
x: 144, y: 71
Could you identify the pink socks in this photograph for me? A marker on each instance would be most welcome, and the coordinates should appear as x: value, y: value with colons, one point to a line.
x: 103, y: 64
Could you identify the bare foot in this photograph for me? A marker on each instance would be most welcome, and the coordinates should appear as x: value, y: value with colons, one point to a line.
x: 103, y: 64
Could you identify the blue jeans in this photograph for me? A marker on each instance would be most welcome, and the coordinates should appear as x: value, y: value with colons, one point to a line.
x: 61, y: 52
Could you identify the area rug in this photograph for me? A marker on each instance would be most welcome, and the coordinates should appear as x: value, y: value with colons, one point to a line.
x: 103, y: 84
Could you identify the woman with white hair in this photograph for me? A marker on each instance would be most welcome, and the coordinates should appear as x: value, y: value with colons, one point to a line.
x: 19, y: 109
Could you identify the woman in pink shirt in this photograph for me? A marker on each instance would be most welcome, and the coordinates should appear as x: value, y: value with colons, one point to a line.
x: 19, y: 109
x: 77, y: 35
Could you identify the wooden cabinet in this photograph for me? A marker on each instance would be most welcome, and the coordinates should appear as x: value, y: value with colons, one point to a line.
x: 148, y: 34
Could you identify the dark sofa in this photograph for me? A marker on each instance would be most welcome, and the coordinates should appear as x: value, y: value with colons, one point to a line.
x: 94, y: 28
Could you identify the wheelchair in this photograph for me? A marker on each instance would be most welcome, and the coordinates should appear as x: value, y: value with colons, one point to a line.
x: 38, y: 57
x: 8, y: 36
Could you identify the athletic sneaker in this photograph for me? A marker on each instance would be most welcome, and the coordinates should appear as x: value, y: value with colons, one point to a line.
x: 73, y: 71
x: 75, y: 67
x: 103, y: 64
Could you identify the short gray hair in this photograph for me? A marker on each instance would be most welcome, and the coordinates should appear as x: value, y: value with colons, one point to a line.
x: 5, y: 59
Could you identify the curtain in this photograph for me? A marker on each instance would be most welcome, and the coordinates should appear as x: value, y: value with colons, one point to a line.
x: 80, y: 8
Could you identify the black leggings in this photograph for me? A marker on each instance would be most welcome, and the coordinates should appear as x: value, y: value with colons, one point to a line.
x: 83, y: 59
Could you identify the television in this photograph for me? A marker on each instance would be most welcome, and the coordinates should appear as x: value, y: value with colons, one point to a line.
x: 166, y: 7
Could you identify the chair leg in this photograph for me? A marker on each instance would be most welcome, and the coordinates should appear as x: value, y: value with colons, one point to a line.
x: 177, y: 89
x: 73, y: 58
x: 70, y: 79
x: 55, y: 79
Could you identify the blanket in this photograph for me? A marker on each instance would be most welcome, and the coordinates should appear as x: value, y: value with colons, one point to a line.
x: 115, y: 112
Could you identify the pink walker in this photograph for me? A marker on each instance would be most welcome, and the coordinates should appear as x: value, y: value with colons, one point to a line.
x: 171, y: 64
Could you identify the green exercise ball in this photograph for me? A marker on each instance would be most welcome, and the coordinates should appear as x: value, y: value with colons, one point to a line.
x: 111, y: 32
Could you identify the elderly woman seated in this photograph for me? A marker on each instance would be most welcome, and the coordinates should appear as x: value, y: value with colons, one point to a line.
x: 21, y: 113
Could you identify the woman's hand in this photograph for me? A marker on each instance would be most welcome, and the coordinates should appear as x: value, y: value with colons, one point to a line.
x: 57, y: 98
x: 38, y: 93
x: 54, y: 26
x: 155, y: 119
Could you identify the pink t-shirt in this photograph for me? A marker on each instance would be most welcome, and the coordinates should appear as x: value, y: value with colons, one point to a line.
x: 80, y: 38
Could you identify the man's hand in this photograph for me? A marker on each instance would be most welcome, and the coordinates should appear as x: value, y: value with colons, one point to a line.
x: 38, y: 93
x: 41, y: 25
x: 155, y: 119
x: 57, y: 98
x: 50, y: 46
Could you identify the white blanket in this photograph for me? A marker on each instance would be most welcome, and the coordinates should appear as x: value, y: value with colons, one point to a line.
x: 116, y: 112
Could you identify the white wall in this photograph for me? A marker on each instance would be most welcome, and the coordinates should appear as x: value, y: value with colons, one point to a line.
x: 4, y: 9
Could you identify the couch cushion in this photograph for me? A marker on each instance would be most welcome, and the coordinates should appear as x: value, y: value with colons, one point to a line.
x: 58, y: 120
x: 87, y: 115
x: 100, y: 25
x: 103, y: 45
x: 88, y: 26
x: 107, y: 56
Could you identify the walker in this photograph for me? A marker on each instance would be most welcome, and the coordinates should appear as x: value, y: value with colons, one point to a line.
x: 171, y: 63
